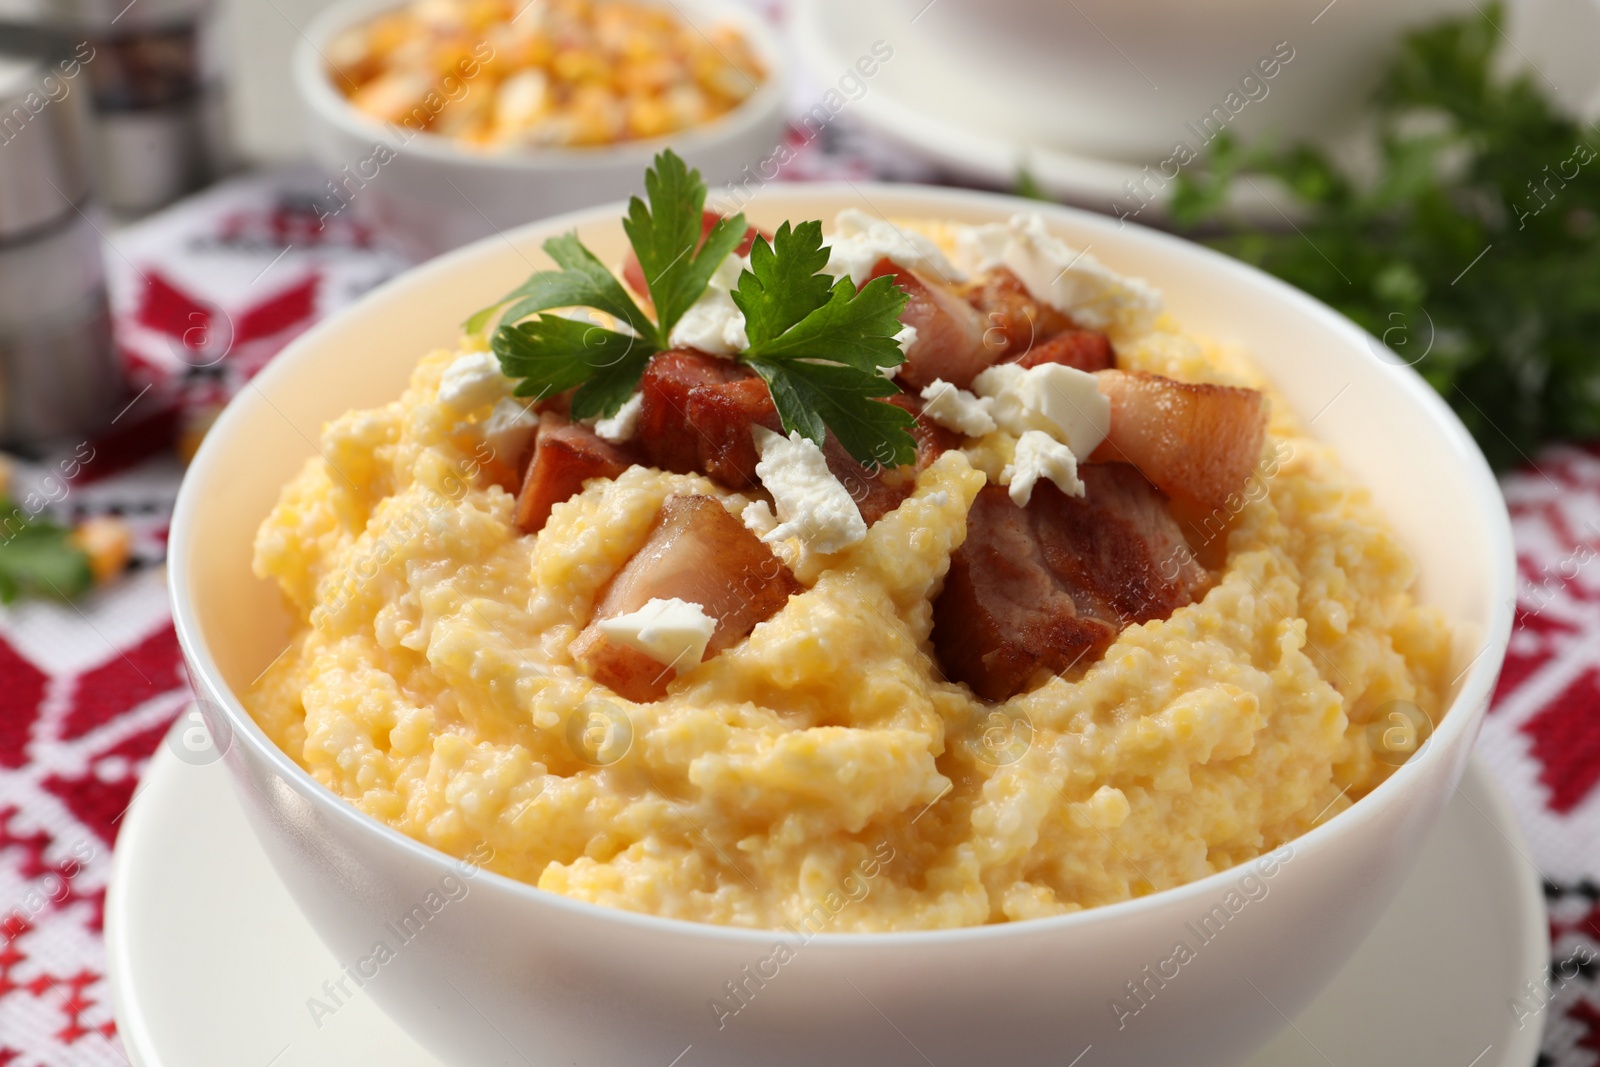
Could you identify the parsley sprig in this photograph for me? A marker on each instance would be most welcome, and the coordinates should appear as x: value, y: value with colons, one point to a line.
x: 664, y: 238
x: 817, y: 342
x: 820, y: 344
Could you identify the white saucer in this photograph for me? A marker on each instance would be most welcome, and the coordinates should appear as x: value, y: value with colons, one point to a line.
x: 211, y: 962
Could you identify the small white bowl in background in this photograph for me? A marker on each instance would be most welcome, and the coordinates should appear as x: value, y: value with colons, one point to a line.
x: 1105, y: 102
x: 512, y: 974
x: 1115, y: 80
x: 434, y: 194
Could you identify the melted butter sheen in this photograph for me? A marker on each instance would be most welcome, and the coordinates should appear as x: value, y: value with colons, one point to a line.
x: 430, y: 685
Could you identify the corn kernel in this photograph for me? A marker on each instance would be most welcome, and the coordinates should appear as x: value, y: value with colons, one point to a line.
x: 521, y: 99
x: 728, y: 82
x: 460, y: 117
x: 438, y: 14
x: 350, y: 53
x: 447, y: 60
x: 577, y: 65
x: 688, y: 106
x: 649, y: 116
x: 650, y: 76
x: 108, y: 542
x: 481, y: 14
x: 391, y: 95
x: 390, y: 31
x: 599, y: 116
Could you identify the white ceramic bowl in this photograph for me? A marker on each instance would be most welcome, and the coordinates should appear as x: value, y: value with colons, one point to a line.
x: 513, y: 975
x: 1128, y: 80
x: 436, y: 194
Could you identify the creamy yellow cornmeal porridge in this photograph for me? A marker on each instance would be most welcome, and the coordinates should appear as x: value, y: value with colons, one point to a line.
x: 823, y: 762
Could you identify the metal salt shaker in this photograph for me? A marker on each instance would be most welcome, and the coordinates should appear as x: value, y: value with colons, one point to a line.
x: 58, y: 370
x: 159, y: 129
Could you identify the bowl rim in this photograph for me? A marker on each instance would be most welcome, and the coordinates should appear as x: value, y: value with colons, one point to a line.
x: 309, y: 66
x: 1463, y: 716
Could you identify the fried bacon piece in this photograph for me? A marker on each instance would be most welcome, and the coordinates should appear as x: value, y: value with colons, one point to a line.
x: 698, y: 412
x: 699, y: 553
x: 667, y: 435
x: 565, y: 455
x: 495, y: 468
x: 1085, y: 350
x: 498, y: 472
x: 1198, y: 443
x: 1014, y: 322
x: 560, y: 403
x: 633, y: 273
x: 1118, y: 549
x: 932, y: 439
x: 949, y: 342
x: 721, y: 417
x: 1051, y: 585
x: 1003, y: 615
x: 876, y: 491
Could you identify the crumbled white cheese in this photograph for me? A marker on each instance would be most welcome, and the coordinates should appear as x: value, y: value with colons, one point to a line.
x: 713, y: 323
x: 674, y: 632
x: 758, y: 518
x: 509, y: 427
x: 1062, y: 401
x: 812, y: 503
x: 979, y: 248
x: 621, y: 426
x: 1095, y: 296
x: 905, y: 338
x: 956, y: 409
x: 859, y: 240
x: 1039, y: 455
x: 473, y: 381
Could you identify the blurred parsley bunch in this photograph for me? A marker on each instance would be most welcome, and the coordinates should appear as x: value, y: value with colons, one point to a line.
x: 39, y: 557
x: 1475, y: 254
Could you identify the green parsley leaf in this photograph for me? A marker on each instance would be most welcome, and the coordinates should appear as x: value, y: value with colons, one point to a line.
x: 552, y: 354
x: 582, y: 281
x: 611, y: 385
x: 816, y: 397
x: 819, y: 344
x: 38, y: 558
x: 1027, y: 186
x: 784, y: 283
x: 1473, y: 253
x: 856, y: 329
x: 665, y: 234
